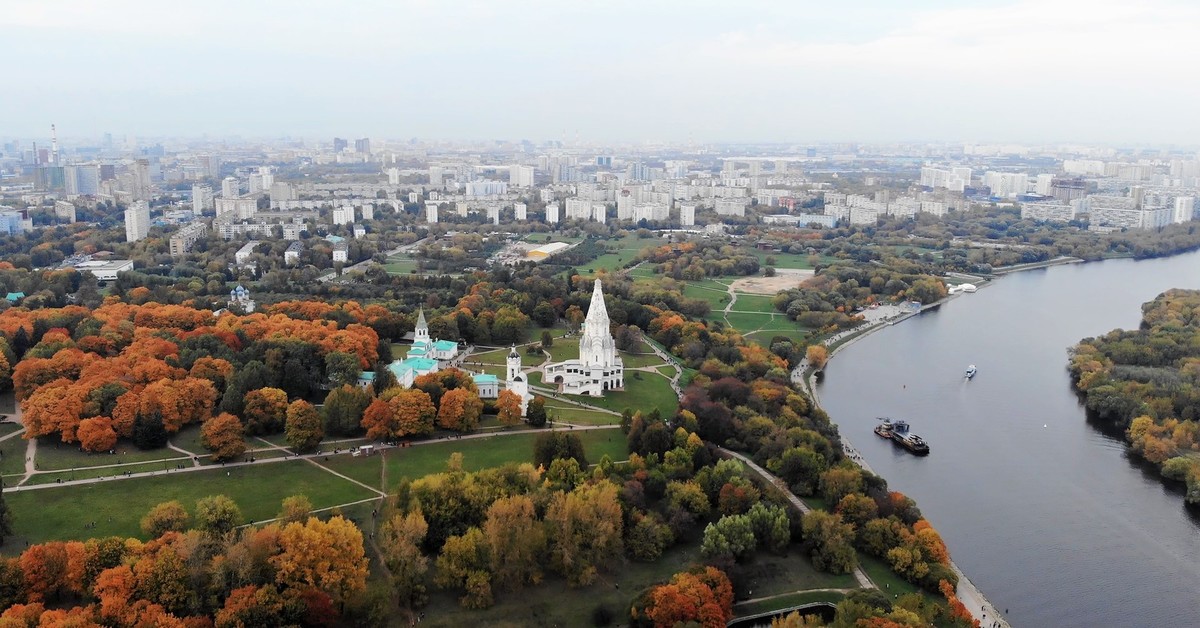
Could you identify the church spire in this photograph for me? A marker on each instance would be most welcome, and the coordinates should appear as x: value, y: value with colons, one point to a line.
x: 597, y: 313
x: 421, y: 319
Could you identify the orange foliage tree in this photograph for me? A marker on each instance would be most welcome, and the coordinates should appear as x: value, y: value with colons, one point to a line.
x: 265, y: 411
x: 326, y: 555
x: 704, y: 596
x: 460, y: 410
x: 405, y: 412
x: 223, y: 435
x: 508, y: 407
x: 96, y: 434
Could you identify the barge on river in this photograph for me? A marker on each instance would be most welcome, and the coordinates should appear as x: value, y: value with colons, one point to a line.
x: 898, y: 432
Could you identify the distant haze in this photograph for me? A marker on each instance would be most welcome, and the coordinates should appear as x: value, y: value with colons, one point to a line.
x: 1023, y: 71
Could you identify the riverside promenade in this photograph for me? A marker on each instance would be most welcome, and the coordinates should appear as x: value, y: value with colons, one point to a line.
x: 972, y: 598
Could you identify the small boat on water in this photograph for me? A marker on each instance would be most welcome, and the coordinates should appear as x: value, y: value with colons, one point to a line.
x: 898, y: 432
x: 971, y: 371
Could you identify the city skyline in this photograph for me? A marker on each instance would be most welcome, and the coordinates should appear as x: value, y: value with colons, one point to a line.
x: 1063, y: 71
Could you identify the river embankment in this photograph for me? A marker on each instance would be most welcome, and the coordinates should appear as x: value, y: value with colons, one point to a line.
x: 1043, y: 507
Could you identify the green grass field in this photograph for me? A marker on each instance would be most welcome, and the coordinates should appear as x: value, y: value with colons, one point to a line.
x: 789, y: 260
x: 117, y: 506
x: 53, y: 454
x: 649, y: 392
x: 745, y: 322
x: 716, y: 298
x: 478, y: 453
x: 754, y: 303
x: 622, y: 252
x: 882, y: 575
x: 580, y: 416
x: 634, y: 360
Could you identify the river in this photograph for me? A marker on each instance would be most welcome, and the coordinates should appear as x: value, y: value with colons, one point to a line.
x: 1046, y: 514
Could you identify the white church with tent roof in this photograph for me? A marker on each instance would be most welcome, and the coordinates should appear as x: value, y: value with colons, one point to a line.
x: 599, y: 367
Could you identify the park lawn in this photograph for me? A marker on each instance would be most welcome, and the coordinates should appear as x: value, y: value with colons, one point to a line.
x: 754, y: 303
x: 884, y: 578
x: 428, y: 457
x: 788, y: 260
x: 500, y: 357
x: 787, y: 601
x: 769, y: 574
x: 581, y: 416
x: 188, y: 439
x: 117, y: 506
x: 715, y: 295
x: 53, y: 454
x: 667, y: 371
x: 745, y: 322
x: 562, y: 351
x: 634, y: 360
x: 12, y: 456
x: 645, y: 271
x: 649, y: 392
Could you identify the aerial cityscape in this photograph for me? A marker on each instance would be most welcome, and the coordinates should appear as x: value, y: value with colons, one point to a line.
x: 755, y: 325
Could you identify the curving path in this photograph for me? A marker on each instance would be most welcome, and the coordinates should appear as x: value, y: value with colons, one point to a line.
x: 859, y: 574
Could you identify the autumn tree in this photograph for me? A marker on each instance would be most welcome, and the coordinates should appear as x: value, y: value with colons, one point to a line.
x: 165, y: 517
x: 460, y: 410
x: 584, y: 529
x: 296, y: 509
x: 96, y: 434
x: 224, y: 437
x: 516, y: 542
x: 327, y: 555
x: 258, y: 606
x: 400, y: 539
x: 400, y: 413
x: 304, y: 429
x: 217, y: 515
x: 702, y: 597
x: 464, y: 562
x: 817, y: 355
x: 831, y: 541
x: 265, y: 411
x: 508, y: 408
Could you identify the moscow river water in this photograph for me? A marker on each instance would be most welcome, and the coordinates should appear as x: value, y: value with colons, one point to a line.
x: 1044, y: 511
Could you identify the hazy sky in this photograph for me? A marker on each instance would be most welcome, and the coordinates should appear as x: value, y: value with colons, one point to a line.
x: 786, y: 70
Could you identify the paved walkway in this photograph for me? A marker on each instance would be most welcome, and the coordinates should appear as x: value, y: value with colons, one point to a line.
x: 232, y: 465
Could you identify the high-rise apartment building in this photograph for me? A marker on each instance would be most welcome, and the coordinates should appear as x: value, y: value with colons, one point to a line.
x: 230, y: 188
x: 363, y: 145
x: 137, y: 221
x: 339, y: 144
x: 520, y: 176
x: 202, y: 198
